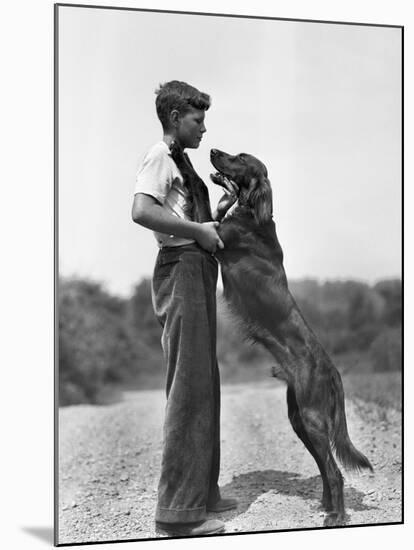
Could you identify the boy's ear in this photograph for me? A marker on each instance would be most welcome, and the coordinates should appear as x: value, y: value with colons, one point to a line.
x: 174, y: 117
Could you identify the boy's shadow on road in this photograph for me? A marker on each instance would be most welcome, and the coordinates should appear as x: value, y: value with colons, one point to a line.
x: 248, y: 487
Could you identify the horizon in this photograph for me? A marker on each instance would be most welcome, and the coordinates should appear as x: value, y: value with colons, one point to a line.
x: 301, y: 280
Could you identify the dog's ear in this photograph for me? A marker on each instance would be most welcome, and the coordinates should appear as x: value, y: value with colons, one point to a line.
x: 176, y: 152
x: 259, y: 199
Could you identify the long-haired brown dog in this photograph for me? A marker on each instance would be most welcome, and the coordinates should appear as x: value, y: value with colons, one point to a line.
x: 256, y: 289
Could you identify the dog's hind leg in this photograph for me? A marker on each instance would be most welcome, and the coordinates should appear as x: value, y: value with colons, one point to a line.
x: 299, y: 428
x: 336, y: 482
x: 317, y: 431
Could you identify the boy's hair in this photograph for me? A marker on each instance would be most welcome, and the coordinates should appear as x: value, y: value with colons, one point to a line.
x: 180, y: 96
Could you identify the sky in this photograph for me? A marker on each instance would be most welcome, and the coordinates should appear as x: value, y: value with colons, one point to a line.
x: 319, y: 104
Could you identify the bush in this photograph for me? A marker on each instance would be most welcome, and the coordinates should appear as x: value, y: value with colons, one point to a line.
x: 95, y: 346
x: 141, y: 316
x: 386, y: 350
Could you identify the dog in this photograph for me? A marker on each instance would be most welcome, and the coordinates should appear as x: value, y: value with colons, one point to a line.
x: 256, y: 290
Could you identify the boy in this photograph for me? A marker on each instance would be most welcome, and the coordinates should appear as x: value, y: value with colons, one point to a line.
x: 184, y: 300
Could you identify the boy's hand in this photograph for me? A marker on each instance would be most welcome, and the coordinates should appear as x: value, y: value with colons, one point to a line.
x: 208, y: 238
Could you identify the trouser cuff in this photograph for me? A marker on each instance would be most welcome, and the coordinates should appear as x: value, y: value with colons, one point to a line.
x: 174, y: 515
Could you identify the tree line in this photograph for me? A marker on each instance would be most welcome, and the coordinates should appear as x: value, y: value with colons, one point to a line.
x: 106, y: 341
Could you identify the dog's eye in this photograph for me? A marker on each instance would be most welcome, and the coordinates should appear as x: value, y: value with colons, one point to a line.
x: 240, y: 157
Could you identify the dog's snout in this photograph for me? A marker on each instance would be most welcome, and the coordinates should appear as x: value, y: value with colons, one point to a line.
x: 213, y: 152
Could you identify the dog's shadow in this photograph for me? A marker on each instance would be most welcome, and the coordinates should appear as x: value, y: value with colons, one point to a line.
x: 246, y: 488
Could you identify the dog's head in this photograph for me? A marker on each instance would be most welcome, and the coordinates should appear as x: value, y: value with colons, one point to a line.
x: 250, y: 174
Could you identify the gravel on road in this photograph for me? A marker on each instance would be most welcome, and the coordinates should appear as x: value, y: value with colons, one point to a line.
x: 109, y: 460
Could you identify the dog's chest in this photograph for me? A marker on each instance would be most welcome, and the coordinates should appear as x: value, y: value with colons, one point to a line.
x: 243, y: 238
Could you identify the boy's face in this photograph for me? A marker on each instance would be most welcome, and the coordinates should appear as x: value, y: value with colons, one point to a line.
x: 190, y: 128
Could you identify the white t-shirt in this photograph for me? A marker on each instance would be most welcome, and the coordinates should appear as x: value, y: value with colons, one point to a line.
x: 159, y: 177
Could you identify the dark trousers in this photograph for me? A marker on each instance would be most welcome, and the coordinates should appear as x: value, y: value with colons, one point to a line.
x: 184, y: 300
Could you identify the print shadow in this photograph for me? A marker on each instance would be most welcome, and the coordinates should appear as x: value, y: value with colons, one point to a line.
x: 43, y: 533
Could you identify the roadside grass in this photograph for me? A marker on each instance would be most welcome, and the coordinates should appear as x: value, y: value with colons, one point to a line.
x: 382, y: 388
x: 360, y: 381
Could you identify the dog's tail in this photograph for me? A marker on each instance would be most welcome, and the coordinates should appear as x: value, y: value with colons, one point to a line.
x: 350, y: 457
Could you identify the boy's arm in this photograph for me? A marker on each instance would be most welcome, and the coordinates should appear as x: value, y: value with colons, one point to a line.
x: 148, y: 212
x: 218, y: 215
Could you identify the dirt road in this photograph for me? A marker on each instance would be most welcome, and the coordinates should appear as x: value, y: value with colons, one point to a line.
x: 110, y: 456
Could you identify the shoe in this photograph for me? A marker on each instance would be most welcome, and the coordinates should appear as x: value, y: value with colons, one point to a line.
x: 206, y: 527
x: 223, y: 505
